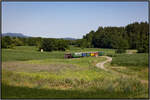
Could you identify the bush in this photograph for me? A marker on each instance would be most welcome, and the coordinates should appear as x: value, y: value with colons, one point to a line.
x: 11, y: 46
x: 7, y: 42
x: 17, y: 42
x: 47, y: 45
x: 112, y: 55
x: 54, y: 44
x: 142, y: 50
x: 120, y: 51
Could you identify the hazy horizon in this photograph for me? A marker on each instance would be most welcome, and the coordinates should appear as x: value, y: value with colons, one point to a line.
x: 68, y: 19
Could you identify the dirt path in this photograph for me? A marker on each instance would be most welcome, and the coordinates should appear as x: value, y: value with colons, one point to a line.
x: 109, y: 59
x: 101, y: 64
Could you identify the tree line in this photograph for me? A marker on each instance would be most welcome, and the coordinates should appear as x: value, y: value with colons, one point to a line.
x: 47, y: 44
x: 132, y: 36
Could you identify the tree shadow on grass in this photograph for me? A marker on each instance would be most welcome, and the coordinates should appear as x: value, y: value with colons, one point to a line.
x: 25, y: 92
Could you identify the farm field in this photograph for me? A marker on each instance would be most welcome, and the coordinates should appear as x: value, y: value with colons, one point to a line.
x: 28, y: 73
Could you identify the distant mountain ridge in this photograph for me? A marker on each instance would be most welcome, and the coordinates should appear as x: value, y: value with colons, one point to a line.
x: 25, y: 36
x: 14, y: 35
x: 68, y: 38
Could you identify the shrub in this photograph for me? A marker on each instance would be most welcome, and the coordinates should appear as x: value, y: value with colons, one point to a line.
x: 54, y: 44
x: 142, y: 50
x: 7, y: 42
x: 120, y: 51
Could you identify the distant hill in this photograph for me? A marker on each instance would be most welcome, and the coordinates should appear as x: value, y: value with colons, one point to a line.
x: 22, y: 35
x: 67, y: 38
x: 14, y: 35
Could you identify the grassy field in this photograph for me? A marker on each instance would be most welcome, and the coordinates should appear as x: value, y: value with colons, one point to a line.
x: 28, y: 73
x: 24, y: 53
x: 140, y: 59
x: 131, y: 64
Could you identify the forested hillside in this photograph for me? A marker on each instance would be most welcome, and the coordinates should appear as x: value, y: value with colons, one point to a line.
x: 132, y: 36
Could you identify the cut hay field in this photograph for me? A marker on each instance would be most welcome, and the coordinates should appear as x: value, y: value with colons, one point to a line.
x: 28, y: 73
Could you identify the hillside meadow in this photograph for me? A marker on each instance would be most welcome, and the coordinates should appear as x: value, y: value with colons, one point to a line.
x: 28, y: 73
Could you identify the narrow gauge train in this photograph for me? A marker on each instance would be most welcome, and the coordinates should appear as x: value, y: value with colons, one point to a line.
x: 84, y: 54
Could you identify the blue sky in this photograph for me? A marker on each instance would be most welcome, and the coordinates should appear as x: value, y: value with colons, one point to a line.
x: 68, y: 19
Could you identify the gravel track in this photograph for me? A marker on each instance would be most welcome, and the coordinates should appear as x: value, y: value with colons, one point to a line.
x: 101, y: 64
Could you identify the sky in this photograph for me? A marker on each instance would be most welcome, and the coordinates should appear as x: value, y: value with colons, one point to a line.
x: 68, y: 19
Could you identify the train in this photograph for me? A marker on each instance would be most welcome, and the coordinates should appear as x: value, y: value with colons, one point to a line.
x: 83, y: 54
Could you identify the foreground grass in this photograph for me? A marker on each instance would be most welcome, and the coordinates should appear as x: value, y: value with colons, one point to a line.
x: 19, y: 85
x: 73, y: 82
x: 26, y: 92
x: 28, y: 73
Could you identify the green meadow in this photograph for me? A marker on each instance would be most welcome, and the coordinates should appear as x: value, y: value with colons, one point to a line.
x: 28, y: 73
